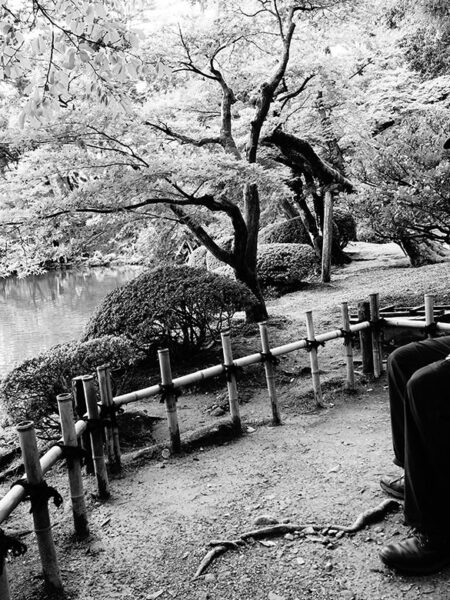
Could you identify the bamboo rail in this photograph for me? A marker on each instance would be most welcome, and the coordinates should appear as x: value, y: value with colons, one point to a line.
x: 244, y: 361
x: 410, y: 324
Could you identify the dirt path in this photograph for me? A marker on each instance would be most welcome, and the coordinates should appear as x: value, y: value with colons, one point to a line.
x: 319, y: 467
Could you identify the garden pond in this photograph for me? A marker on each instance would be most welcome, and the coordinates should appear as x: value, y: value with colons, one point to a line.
x: 39, y: 311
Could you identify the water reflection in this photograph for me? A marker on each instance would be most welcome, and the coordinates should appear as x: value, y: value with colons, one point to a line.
x: 40, y: 311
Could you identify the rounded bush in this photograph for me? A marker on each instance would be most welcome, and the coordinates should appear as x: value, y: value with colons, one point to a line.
x: 29, y: 391
x: 286, y: 232
x: 286, y: 266
x: 177, y: 307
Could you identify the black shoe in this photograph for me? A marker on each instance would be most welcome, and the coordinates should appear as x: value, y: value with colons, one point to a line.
x: 417, y: 555
x: 394, y: 487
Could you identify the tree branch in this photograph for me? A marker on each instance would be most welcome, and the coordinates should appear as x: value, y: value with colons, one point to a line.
x: 203, y: 237
x: 184, y: 138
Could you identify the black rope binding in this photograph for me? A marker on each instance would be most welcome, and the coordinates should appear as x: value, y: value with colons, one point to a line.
x: 349, y: 337
x: 9, y: 544
x: 312, y: 344
x: 71, y: 452
x: 106, y: 412
x: 230, y: 370
x: 269, y: 357
x: 39, y: 493
x: 431, y: 329
x: 377, y: 326
x: 168, y: 389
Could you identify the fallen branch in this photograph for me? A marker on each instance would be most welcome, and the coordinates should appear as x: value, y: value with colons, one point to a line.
x: 368, y: 517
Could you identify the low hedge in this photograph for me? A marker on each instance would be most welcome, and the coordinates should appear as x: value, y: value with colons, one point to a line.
x: 294, y: 232
x: 29, y: 391
x: 285, y: 232
x: 286, y: 266
x: 177, y: 307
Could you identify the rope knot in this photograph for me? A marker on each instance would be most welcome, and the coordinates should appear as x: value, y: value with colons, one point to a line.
x: 349, y: 337
x: 39, y: 493
x: 312, y: 344
x: 269, y: 357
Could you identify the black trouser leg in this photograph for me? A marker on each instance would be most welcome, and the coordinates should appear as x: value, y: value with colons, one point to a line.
x: 427, y: 449
x: 402, y: 364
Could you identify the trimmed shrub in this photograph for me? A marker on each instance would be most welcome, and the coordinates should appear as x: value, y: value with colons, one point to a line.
x: 286, y: 232
x: 177, y: 307
x: 285, y: 266
x: 345, y: 227
x: 29, y: 391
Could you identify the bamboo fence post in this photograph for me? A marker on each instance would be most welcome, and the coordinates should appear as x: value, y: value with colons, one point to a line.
x: 41, y: 517
x: 80, y: 405
x: 429, y: 314
x: 313, y: 359
x: 4, y: 583
x: 170, y: 399
x: 233, y: 397
x: 111, y: 428
x: 73, y: 466
x: 365, y: 339
x: 268, y: 368
x: 96, y: 435
x: 327, y: 236
x: 376, y: 341
x: 350, y: 379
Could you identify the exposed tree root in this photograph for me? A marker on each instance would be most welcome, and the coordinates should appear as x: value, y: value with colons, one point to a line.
x: 372, y: 515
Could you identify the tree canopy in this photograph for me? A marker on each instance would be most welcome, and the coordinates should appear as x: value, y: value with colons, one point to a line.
x: 125, y: 126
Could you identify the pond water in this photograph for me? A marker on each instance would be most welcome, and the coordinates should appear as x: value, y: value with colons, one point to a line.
x: 40, y: 311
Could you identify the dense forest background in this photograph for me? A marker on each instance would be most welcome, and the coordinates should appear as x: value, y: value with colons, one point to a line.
x: 144, y: 130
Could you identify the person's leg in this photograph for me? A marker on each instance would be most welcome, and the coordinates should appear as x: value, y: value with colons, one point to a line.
x: 402, y: 364
x: 427, y: 464
x: 427, y: 449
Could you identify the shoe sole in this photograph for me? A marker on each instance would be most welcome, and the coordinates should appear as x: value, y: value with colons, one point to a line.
x: 418, y: 571
x: 391, y: 492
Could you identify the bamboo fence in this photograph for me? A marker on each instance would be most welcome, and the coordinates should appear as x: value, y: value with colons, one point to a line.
x: 97, y: 430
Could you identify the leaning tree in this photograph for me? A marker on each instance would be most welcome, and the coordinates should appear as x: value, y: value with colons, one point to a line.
x: 144, y: 159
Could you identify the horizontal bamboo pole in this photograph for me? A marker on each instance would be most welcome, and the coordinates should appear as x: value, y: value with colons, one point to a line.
x: 244, y: 361
x: 404, y: 322
x: 14, y: 497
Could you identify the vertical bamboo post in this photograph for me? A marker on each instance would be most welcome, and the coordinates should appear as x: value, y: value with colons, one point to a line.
x: 170, y: 398
x: 350, y: 379
x: 111, y: 429
x: 73, y: 466
x: 270, y: 378
x: 41, y: 517
x: 96, y: 435
x: 376, y: 343
x: 429, y: 312
x: 327, y: 236
x: 313, y: 359
x: 365, y: 339
x: 80, y: 405
x: 231, y: 381
x: 4, y: 583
